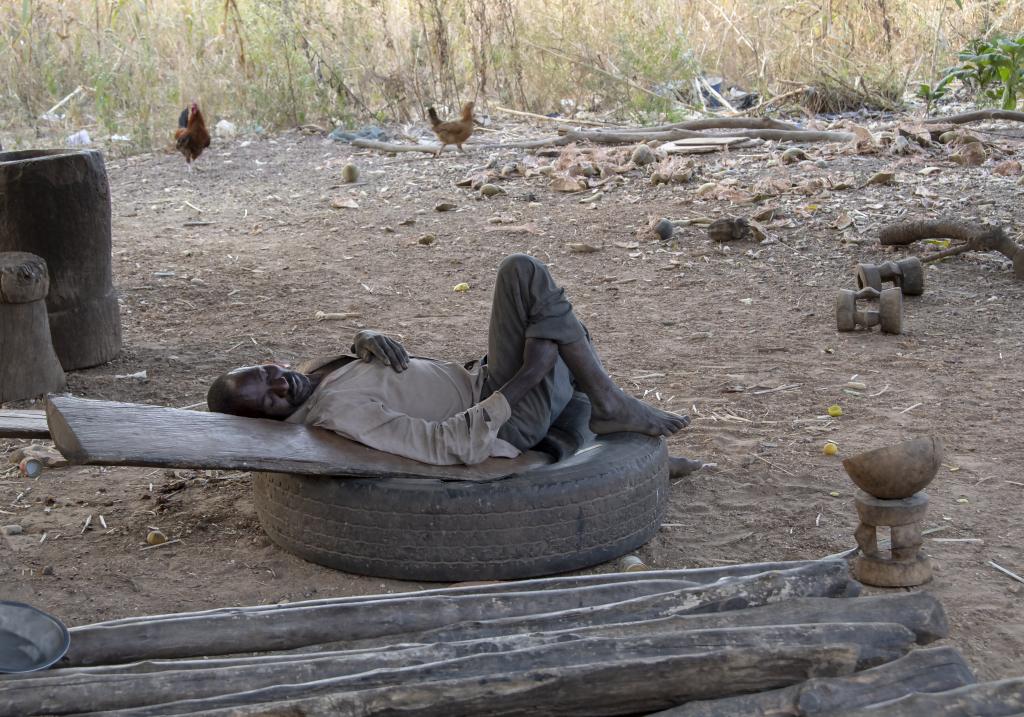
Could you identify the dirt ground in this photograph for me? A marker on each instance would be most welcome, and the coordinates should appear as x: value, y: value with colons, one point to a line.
x: 687, y: 324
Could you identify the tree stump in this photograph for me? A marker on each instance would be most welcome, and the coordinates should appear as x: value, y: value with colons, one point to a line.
x: 56, y: 203
x: 28, y: 364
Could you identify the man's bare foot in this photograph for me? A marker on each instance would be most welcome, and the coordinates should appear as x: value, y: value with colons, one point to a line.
x: 621, y: 412
x: 679, y: 467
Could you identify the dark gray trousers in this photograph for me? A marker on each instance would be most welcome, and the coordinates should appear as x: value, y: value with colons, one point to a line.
x: 528, y: 304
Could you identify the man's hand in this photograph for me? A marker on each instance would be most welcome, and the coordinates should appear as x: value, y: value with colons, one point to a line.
x: 368, y: 345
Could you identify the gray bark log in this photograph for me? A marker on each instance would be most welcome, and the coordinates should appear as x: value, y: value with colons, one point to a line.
x: 991, y: 699
x: 23, y: 424
x: 932, y: 670
x: 67, y: 691
x: 627, y: 679
x: 391, y: 620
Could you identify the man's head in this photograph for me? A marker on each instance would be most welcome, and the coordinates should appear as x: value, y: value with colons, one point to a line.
x: 266, y: 391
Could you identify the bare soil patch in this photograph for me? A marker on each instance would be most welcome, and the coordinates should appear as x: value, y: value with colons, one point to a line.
x: 690, y: 325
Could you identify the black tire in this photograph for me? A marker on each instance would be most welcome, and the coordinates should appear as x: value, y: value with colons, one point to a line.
x: 590, y: 508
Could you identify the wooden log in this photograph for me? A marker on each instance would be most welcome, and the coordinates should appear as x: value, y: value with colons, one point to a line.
x: 991, y: 699
x: 922, y: 613
x: 127, y: 434
x: 695, y: 576
x: 23, y: 424
x: 978, y: 237
x: 620, y: 678
x: 57, y: 692
x: 877, y: 643
x: 56, y: 203
x: 931, y: 670
x: 289, y: 629
x: 28, y: 364
x: 634, y: 136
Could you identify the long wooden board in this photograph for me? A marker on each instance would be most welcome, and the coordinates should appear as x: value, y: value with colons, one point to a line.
x: 127, y: 434
x: 23, y: 424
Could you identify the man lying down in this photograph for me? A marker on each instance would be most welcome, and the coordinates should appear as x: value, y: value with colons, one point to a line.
x: 539, y: 356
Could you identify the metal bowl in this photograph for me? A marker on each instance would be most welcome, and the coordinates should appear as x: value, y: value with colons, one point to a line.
x: 898, y: 471
x: 30, y: 639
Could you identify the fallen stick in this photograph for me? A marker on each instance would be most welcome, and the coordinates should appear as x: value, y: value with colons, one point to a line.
x: 300, y: 627
x: 636, y: 136
x: 992, y: 699
x: 978, y: 237
x: 545, y: 118
x: 60, y: 693
x: 620, y: 679
x: 696, y: 576
x: 977, y: 116
x: 934, y: 670
x: 395, y: 147
x: 725, y: 123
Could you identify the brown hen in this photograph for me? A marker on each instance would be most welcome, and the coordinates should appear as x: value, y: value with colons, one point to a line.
x: 191, y: 137
x: 453, y: 131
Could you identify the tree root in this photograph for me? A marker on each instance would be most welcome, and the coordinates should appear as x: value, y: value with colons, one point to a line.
x: 976, y: 237
x: 966, y: 117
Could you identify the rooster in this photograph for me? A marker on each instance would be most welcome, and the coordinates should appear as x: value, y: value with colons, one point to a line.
x: 454, y: 131
x: 191, y: 137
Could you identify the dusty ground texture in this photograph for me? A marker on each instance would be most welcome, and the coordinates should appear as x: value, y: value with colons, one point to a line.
x: 687, y: 324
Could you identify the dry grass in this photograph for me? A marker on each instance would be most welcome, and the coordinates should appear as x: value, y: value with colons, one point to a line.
x: 279, y: 63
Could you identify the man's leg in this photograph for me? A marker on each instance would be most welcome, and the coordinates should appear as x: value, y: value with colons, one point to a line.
x: 529, y: 305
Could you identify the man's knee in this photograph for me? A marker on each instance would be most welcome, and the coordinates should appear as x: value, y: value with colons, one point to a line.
x: 514, y: 266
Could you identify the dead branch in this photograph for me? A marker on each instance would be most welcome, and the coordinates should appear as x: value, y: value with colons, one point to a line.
x: 977, y: 237
x: 394, y: 147
x: 977, y: 116
x: 645, y: 135
x: 725, y: 123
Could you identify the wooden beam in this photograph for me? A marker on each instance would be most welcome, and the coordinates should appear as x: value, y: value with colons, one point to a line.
x: 1004, y: 697
x: 23, y: 424
x: 926, y: 671
x: 127, y: 434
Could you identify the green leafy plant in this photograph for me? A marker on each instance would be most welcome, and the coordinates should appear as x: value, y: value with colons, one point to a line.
x: 992, y: 68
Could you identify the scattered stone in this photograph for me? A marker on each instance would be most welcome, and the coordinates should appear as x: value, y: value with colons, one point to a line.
x: 567, y: 184
x: 595, y: 197
x: 48, y: 570
x: 13, y: 529
x: 344, y: 203
x: 444, y: 206
x: 664, y: 228
x: 972, y: 154
x: 350, y: 173
x: 792, y: 155
x: 490, y: 190
x: 156, y: 537
x: 225, y: 129
x: 1007, y: 168
x: 426, y: 239
x: 881, y: 178
x: 581, y: 248
x: 642, y: 155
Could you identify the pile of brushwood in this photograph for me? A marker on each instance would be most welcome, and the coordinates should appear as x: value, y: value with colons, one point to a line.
x: 773, y: 638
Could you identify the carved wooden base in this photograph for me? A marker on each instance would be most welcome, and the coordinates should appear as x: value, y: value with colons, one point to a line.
x: 904, y: 565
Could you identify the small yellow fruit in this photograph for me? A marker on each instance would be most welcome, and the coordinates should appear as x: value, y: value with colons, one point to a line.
x: 830, y: 449
x: 835, y: 410
x: 156, y: 537
x: 461, y: 288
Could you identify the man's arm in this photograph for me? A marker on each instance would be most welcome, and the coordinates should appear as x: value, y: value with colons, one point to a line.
x: 466, y: 438
x: 369, y: 345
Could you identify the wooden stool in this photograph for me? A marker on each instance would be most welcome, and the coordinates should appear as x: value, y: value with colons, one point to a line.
x: 906, y: 565
x: 28, y: 363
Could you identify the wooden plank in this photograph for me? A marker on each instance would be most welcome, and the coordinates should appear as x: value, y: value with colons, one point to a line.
x: 16, y: 423
x: 925, y: 671
x: 128, y: 434
x: 62, y: 691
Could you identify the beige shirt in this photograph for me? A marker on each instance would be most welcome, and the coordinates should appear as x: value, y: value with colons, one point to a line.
x: 431, y: 412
